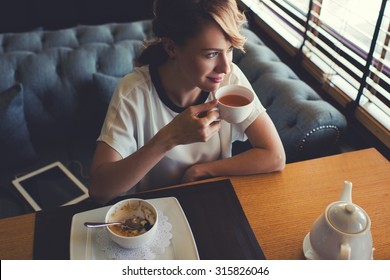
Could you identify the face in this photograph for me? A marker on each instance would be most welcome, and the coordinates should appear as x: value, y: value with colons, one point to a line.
x: 205, y: 59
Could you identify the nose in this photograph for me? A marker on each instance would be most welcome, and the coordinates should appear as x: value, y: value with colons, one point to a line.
x: 224, y: 64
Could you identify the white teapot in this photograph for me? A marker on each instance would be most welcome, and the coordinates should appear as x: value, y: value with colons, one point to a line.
x: 342, y: 232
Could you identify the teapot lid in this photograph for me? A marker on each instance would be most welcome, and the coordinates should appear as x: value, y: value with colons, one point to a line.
x: 348, y: 217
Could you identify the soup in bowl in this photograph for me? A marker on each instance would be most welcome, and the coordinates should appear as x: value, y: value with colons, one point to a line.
x: 139, y: 218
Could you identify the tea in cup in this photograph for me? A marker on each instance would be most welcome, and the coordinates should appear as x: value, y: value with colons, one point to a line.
x: 235, y: 103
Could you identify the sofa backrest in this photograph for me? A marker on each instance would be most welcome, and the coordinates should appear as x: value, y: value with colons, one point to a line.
x: 64, y: 74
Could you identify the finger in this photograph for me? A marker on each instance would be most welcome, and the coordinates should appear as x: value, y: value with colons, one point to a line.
x: 202, y: 109
x: 212, y: 116
x: 214, y: 128
x: 216, y: 125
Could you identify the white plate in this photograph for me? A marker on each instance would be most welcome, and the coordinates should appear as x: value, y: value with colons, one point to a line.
x: 83, y: 240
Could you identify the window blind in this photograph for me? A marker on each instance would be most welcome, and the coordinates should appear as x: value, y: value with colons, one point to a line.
x: 344, y: 44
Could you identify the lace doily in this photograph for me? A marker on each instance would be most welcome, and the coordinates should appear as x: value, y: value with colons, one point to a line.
x: 146, y: 252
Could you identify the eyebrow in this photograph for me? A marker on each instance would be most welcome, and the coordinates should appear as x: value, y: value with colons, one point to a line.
x: 212, y: 49
x: 215, y: 49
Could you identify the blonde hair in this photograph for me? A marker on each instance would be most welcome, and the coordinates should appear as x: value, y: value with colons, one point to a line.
x: 180, y: 20
x: 230, y: 19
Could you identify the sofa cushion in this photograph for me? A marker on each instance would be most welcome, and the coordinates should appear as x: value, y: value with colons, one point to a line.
x: 15, y: 145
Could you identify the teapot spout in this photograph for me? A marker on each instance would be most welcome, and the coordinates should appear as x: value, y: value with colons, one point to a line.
x: 347, y: 192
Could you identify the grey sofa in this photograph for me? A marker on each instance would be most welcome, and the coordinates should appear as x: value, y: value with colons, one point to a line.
x: 55, y: 87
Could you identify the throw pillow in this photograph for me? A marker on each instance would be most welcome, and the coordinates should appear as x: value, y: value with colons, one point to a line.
x: 105, y: 86
x: 96, y: 101
x: 15, y: 144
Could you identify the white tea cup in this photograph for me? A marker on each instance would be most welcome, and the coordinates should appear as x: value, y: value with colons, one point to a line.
x: 235, y: 102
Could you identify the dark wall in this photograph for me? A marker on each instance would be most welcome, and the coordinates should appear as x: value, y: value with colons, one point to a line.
x: 25, y: 15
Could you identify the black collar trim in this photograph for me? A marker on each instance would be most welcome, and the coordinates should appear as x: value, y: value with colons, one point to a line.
x: 163, y: 95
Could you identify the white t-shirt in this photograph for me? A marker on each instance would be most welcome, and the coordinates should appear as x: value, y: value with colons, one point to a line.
x: 139, y: 109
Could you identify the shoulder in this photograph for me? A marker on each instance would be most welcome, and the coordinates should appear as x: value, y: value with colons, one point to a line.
x: 136, y: 82
x: 133, y: 88
x: 237, y: 73
x: 139, y: 77
x: 236, y: 76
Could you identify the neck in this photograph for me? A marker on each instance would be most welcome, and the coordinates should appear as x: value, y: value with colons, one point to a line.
x: 180, y: 93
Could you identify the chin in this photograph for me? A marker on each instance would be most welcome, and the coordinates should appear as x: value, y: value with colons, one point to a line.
x: 211, y: 88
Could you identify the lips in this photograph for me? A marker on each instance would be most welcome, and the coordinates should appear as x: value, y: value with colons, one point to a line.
x: 216, y: 79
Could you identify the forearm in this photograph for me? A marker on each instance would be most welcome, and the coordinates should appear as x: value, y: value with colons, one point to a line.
x: 253, y: 161
x: 113, y: 178
x: 267, y: 154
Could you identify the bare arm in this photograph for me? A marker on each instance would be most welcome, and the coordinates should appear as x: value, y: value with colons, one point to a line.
x: 112, y: 176
x: 267, y: 155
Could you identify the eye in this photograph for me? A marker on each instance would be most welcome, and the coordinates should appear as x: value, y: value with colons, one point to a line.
x: 212, y: 54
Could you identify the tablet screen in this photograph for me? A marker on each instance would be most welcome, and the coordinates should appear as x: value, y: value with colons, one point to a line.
x: 50, y: 188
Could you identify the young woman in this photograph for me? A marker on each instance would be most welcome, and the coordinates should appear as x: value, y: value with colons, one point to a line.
x: 160, y: 128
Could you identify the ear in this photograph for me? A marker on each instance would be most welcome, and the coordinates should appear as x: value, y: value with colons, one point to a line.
x: 169, y: 46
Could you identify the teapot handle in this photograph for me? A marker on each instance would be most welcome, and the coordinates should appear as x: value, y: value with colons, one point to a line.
x: 345, y: 252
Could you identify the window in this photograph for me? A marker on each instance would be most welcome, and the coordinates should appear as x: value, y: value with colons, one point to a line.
x: 344, y: 44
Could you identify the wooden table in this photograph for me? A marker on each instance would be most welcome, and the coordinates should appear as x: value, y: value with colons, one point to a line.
x: 280, y: 207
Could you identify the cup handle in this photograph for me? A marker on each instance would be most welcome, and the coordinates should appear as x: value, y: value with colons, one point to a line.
x: 345, y: 252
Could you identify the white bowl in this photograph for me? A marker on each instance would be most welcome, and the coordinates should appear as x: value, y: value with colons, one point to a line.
x: 126, y: 209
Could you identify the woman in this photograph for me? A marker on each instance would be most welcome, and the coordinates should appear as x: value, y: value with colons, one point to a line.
x: 161, y: 128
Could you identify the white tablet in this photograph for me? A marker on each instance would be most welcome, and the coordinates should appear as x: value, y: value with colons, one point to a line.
x: 51, y: 186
